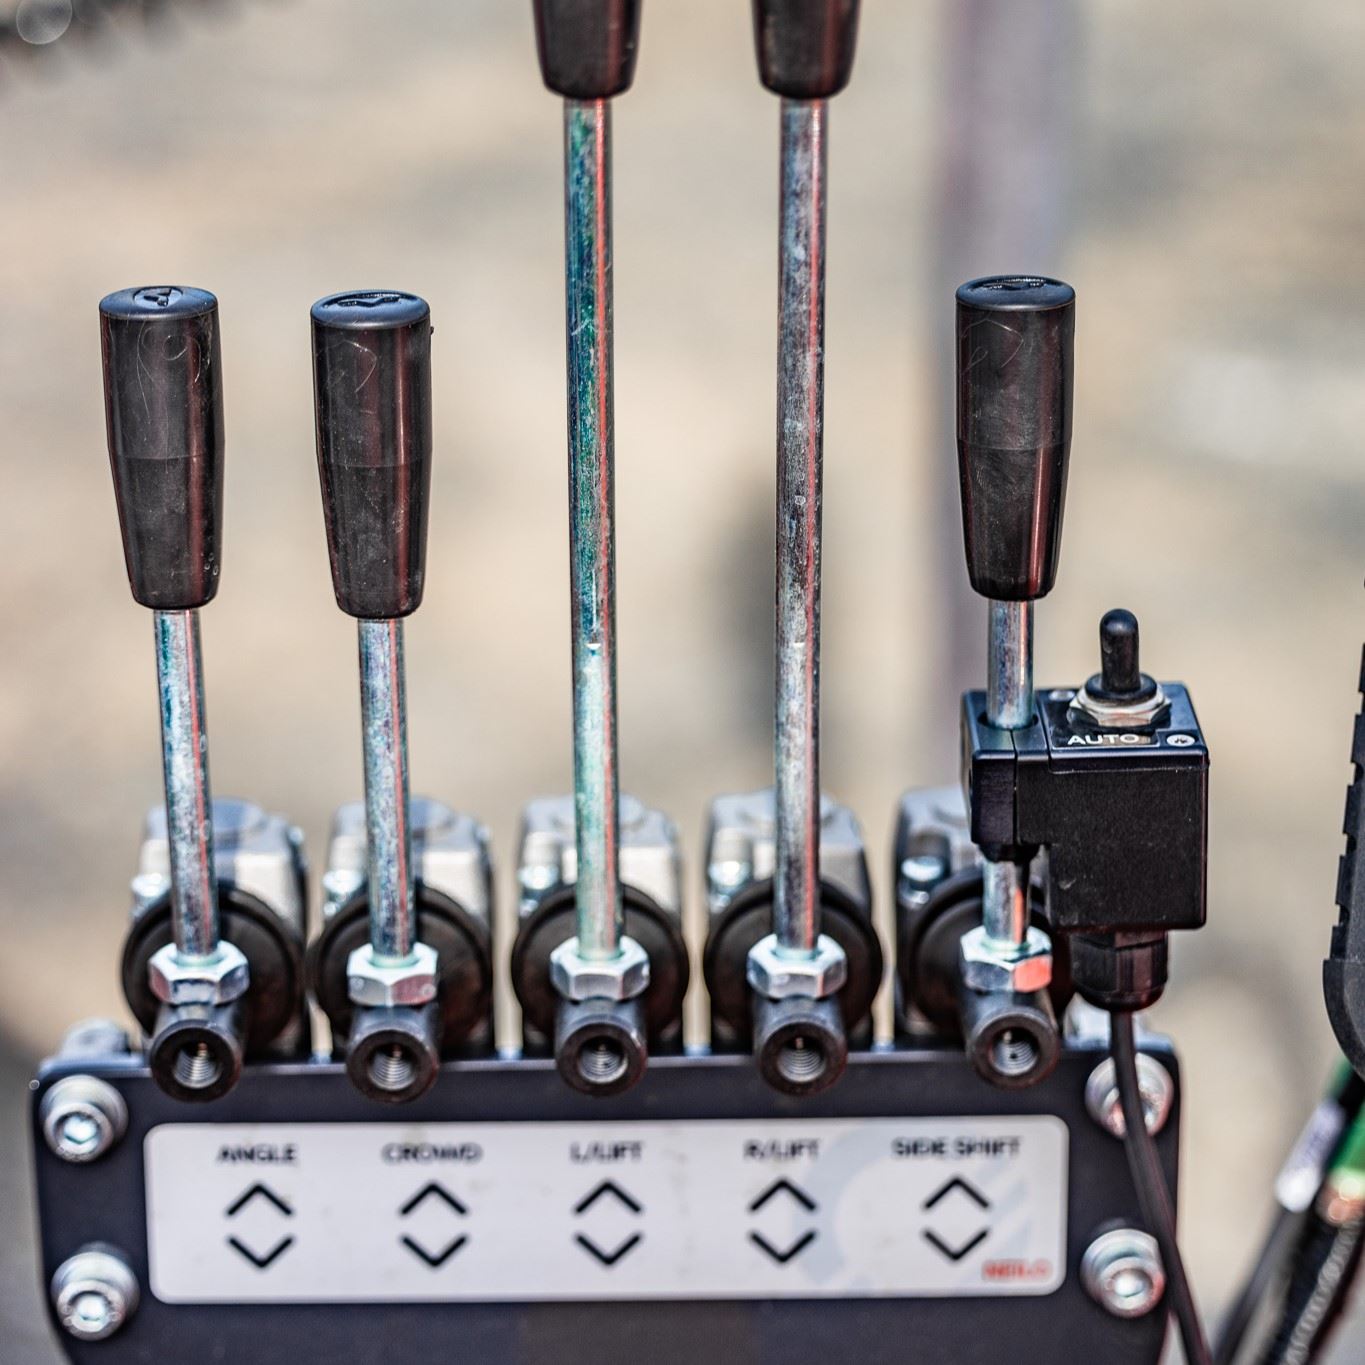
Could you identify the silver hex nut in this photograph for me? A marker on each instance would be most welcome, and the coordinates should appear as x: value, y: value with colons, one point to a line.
x: 781, y: 976
x: 214, y: 980
x: 385, y: 984
x: 622, y: 977
x: 989, y: 966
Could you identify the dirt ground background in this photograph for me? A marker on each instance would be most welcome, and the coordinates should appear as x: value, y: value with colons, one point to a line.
x: 1203, y: 194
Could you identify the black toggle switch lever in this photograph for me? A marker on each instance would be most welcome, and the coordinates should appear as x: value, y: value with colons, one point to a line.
x: 164, y: 408
x: 1014, y: 376
x: 372, y: 391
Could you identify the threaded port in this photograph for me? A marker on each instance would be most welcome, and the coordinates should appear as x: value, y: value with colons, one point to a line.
x: 1015, y: 1052
x: 392, y: 1069
x: 801, y: 1060
x: 602, y: 1061
x: 196, y: 1068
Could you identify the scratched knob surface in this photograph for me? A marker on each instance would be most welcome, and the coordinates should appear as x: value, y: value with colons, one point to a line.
x: 587, y: 47
x: 163, y: 399
x: 1015, y: 337
x: 805, y: 47
x: 372, y: 394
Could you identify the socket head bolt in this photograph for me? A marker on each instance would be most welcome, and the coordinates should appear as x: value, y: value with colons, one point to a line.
x: 1120, y: 695
x: 991, y: 965
x: 94, y: 1293
x: 83, y: 1117
x: 1121, y: 1270
x: 382, y: 984
x: 618, y: 978
x: 779, y: 975
x: 219, y: 979
x: 1154, y: 1083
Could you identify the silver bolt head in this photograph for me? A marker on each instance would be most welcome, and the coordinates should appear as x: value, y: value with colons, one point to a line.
x: 1122, y: 1271
x: 82, y: 1118
x: 990, y: 966
x: 782, y: 976
x: 728, y: 874
x: 1154, y: 1084
x: 93, y: 1294
x: 214, y: 980
x: 622, y: 977
x: 923, y: 871
x: 381, y: 984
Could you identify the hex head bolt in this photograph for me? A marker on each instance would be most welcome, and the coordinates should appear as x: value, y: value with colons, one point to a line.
x: 164, y: 406
x: 372, y: 395
x: 1014, y: 379
x: 805, y: 54
x: 587, y: 55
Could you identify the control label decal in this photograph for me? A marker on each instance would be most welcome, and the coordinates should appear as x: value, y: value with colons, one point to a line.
x: 720, y: 1209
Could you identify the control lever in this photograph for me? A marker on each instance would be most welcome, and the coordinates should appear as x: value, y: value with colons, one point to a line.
x: 1014, y: 375
x: 372, y: 391
x: 587, y: 55
x: 805, y: 55
x: 163, y: 394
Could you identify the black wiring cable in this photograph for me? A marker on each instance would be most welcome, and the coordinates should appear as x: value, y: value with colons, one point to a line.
x: 1153, y: 1194
x: 1325, y: 1267
x: 1269, y: 1268
x: 1287, y: 1243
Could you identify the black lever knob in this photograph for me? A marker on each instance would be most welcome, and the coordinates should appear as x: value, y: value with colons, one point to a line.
x: 805, y: 47
x: 372, y: 394
x: 1014, y: 371
x: 587, y: 47
x: 163, y: 400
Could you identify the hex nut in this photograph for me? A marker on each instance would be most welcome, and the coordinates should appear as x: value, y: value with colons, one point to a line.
x: 94, y: 1293
x: 382, y: 985
x: 779, y: 976
x: 989, y: 966
x: 82, y: 1118
x: 1154, y: 1083
x: 216, y: 980
x: 1122, y: 1271
x: 622, y: 977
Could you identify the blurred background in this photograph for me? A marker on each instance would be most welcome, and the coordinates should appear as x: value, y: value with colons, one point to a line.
x: 1194, y: 170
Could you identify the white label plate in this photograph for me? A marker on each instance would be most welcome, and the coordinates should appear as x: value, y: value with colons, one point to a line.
x: 718, y: 1209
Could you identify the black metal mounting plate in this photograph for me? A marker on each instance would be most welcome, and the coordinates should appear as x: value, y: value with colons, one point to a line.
x: 106, y: 1201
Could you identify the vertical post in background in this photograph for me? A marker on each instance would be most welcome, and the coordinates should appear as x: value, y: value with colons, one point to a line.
x: 1005, y: 195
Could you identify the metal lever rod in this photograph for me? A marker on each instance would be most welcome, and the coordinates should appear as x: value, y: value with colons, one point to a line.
x: 800, y: 439
x: 372, y: 380
x: 388, y: 831
x: 592, y: 534
x: 185, y: 769
x: 1009, y: 706
x: 163, y: 403
x: 164, y: 408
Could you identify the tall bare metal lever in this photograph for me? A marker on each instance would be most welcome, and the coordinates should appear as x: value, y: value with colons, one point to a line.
x: 372, y: 388
x: 587, y: 55
x: 805, y: 55
x: 164, y: 407
x: 1014, y: 377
